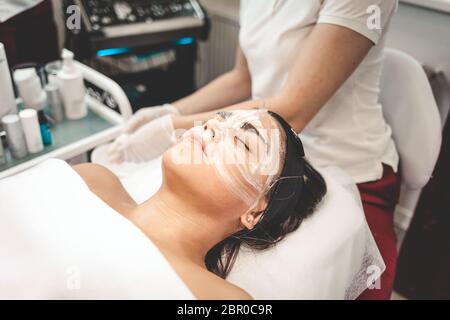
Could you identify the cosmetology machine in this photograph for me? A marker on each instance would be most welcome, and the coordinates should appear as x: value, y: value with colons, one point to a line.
x: 149, y: 47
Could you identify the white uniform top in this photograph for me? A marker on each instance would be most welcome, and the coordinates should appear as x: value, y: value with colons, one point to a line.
x: 349, y: 131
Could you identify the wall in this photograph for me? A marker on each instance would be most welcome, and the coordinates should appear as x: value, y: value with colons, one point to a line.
x: 424, y: 34
x: 217, y: 55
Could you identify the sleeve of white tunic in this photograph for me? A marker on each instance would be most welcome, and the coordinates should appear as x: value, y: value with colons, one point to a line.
x: 367, y: 17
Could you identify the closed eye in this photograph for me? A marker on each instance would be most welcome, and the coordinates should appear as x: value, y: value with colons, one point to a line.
x: 247, y: 126
x: 241, y: 141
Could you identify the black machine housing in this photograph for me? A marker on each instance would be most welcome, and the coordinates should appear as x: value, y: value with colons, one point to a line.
x: 148, y: 46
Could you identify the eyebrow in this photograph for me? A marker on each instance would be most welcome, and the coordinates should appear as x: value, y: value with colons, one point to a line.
x: 247, y: 126
x: 224, y: 114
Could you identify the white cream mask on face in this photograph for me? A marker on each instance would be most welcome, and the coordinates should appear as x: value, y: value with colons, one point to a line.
x: 245, y: 148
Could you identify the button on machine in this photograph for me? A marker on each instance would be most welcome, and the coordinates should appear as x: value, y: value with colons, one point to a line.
x: 141, y: 43
x: 113, y: 13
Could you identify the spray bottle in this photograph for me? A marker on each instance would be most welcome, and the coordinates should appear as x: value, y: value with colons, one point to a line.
x: 73, y: 91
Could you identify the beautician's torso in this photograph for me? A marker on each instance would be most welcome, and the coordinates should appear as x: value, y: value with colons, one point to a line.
x: 203, y: 284
x: 350, y: 130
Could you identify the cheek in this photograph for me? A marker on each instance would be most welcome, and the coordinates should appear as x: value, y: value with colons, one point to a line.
x: 202, y: 183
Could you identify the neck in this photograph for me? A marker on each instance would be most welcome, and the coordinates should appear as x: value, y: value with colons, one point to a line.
x: 179, y: 226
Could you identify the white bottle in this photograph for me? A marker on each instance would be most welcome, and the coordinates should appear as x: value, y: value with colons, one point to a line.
x: 31, y: 130
x: 73, y: 91
x: 30, y: 88
x: 7, y: 99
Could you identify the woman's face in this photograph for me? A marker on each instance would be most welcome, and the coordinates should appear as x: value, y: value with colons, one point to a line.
x: 227, y: 164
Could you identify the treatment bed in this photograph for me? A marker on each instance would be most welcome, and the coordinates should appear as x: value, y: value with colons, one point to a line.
x: 60, y: 241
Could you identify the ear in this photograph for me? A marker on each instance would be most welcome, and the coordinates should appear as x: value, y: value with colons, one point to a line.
x: 251, y: 219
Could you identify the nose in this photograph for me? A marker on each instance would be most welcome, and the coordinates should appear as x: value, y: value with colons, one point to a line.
x: 196, y: 134
x: 209, y: 132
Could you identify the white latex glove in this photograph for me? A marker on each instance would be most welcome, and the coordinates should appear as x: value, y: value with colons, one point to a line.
x: 147, y: 143
x: 146, y: 115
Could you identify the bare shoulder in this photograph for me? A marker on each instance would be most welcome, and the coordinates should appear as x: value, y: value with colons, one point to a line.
x: 220, y: 289
x: 93, y: 172
x: 236, y: 293
x: 106, y: 185
x: 208, y: 286
x: 204, y: 284
x: 98, y: 178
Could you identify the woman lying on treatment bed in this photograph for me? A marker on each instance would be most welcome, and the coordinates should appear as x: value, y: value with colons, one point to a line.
x: 240, y: 179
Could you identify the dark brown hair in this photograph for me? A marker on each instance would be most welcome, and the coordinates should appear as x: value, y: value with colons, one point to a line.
x: 221, y: 257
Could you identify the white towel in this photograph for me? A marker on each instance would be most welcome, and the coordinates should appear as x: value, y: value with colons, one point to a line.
x: 60, y: 241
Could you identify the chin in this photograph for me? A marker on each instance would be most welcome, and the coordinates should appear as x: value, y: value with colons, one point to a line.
x: 186, y: 153
x: 185, y: 164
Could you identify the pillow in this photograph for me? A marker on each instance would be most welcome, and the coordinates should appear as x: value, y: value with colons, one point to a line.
x: 326, y: 258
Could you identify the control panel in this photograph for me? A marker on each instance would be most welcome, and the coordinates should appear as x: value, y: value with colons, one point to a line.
x: 106, y: 13
x: 135, y: 22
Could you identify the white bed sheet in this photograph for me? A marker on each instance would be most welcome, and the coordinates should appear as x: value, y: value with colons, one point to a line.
x: 60, y: 241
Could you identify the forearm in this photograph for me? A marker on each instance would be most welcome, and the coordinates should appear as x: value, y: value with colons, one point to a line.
x: 325, y: 61
x: 229, y: 89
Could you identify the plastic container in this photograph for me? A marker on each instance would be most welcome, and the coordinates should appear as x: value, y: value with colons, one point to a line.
x: 14, y: 136
x: 55, y: 102
x: 71, y: 84
x: 32, y: 130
